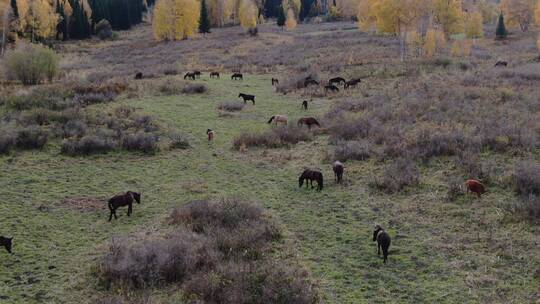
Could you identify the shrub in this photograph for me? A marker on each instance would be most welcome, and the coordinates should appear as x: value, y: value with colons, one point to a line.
x: 90, y: 144
x: 32, y: 137
x: 170, y: 87
x: 527, y: 178
x: 355, y: 150
x: 74, y: 128
x: 528, y: 208
x: 398, y: 175
x: 103, y: 29
x: 194, y: 88
x: 296, y: 82
x: 48, y: 97
x: 277, y: 137
x: 7, y: 140
x: 178, y: 141
x: 231, y: 106
x: 140, y: 141
x: 31, y: 64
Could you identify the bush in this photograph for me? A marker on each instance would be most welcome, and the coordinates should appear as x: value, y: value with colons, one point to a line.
x: 400, y: 174
x: 178, y: 141
x: 90, y: 144
x: 7, y: 141
x: 170, y: 87
x: 276, y: 138
x: 103, y: 29
x: 144, y: 142
x: 32, y: 137
x: 527, y: 178
x: 296, y: 82
x: 74, y: 128
x: 194, y: 88
x: 355, y: 150
x: 48, y: 97
x: 31, y: 64
x: 231, y: 106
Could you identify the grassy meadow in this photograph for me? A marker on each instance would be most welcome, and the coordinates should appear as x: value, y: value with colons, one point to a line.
x: 462, y: 251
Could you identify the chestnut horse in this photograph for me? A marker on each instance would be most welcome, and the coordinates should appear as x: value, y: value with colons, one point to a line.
x: 279, y: 118
x: 475, y: 186
x: 309, y: 176
x: 309, y: 121
x: 122, y: 200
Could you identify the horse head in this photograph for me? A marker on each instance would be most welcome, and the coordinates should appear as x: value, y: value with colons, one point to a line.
x: 136, y: 196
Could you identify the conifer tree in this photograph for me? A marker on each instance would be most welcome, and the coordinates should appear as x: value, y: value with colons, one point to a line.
x: 204, y: 22
x: 500, y: 32
x: 281, y: 17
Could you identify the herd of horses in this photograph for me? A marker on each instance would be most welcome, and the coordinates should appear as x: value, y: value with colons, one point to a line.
x: 307, y: 177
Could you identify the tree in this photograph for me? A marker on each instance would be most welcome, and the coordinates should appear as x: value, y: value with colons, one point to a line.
x: 474, y: 25
x: 103, y: 30
x: 41, y: 19
x: 449, y: 15
x: 247, y: 12
x: 519, y: 12
x: 537, y: 14
x: 291, y: 20
x: 204, y: 22
x: 281, y: 17
x: 175, y: 19
x: 500, y: 32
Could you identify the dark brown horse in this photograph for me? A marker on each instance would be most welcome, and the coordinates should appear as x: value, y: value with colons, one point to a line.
x: 139, y: 75
x: 331, y: 87
x: 214, y: 74
x: 211, y: 134
x: 190, y: 76
x: 123, y: 200
x: 383, y: 241
x: 237, y: 76
x: 337, y: 166
x: 336, y: 80
x: 310, y: 82
x: 247, y: 97
x: 309, y: 176
x: 275, y: 81
x: 352, y: 83
x: 197, y: 74
x: 309, y: 121
x: 6, y: 243
x: 305, y: 104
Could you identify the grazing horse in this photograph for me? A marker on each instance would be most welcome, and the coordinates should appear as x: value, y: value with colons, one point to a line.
x: 331, y: 87
x: 197, y: 74
x: 309, y: 121
x: 279, y: 118
x: 139, y: 75
x: 211, y: 134
x: 123, y: 200
x: 6, y: 243
x: 310, y: 82
x: 214, y: 74
x: 275, y: 81
x: 337, y: 166
x: 237, y: 76
x: 501, y: 63
x: 189, y: 75
x: 337, y: 80
x: 247, y: 97
x: 304, y: 104
x: 476, y: 187
x: 383, y: 241
x: 352, y: 83
x: 310, y: 176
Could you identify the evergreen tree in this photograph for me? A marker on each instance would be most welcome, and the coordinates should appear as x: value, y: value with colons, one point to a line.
x: 281, y: 17
x: 500, y: 32
x: 14, y: 8
x: 204, y: 22
x: 306, y: 9
x: 271, y: 8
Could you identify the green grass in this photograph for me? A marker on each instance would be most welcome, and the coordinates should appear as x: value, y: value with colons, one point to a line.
x: 441, y: 252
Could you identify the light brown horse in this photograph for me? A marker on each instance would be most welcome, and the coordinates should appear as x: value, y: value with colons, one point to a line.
x: 279, y: 119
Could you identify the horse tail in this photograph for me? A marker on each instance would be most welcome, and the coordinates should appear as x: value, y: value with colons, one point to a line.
x: 271, y: 118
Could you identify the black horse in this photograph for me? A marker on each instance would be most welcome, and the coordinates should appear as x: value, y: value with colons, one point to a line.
x: 310, y: 176
x: 310, y: 82
x: 237, y: 76
x: 123, y: 200
x: 337, y: 80
x: 331, y: 87
x: 197, y: 74
x: 305, y: 104
x: 190, y: 76
x: 139, y: 75
x: 247, y: 97
x: 337, y: 166
x: 6, y: 243
x: 275, y: 81
x: 352, y: 83
x: 501, y: 63
x: 214, y: 74
x: 383, y: 241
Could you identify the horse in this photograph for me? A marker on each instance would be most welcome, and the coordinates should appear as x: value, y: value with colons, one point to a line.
x: 383, y: 241
x: 475, y: 186
x: 310, y: 176
x: 352, y: 83
x: 122, y: 200
x: 247, y: 97
x: 337, y: 166
x: 189, y: 75
x: 139, y: 75
x: 275, y: 82
x: 214, y: 74
x: 310, y: 82
x: 6, y: 243
x: 331, y: 87
x: 309, y: 121
x: 501, y: 63
x: 237, y: 76
x: 337, y: 80
x: 279, y: 118
x: 305, y: 104
x: 197, y: 74
x: 210, y: 134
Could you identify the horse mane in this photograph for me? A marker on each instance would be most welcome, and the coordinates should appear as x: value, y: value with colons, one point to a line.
x: 271, y: 118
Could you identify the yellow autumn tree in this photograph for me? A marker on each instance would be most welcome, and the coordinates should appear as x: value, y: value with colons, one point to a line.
x: 448, y: 14
x: 365, y: 14
x: 415, y: 42
x: 175, y: 19
x: 346, y: 8
x: 290, y: 23
x: 489, y: 11
x: 537, y: 14
x: 247, y: 12
x: 41, y: 19
x: 455, y: 50
x: 474, y: 25
x: 518, y: 13
x: 430, y: 43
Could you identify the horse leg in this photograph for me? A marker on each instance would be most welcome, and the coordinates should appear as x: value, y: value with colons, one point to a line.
x: 130, y: 206
x: 114, y: 212
x: 110, y: 215
x: 378, y: 248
